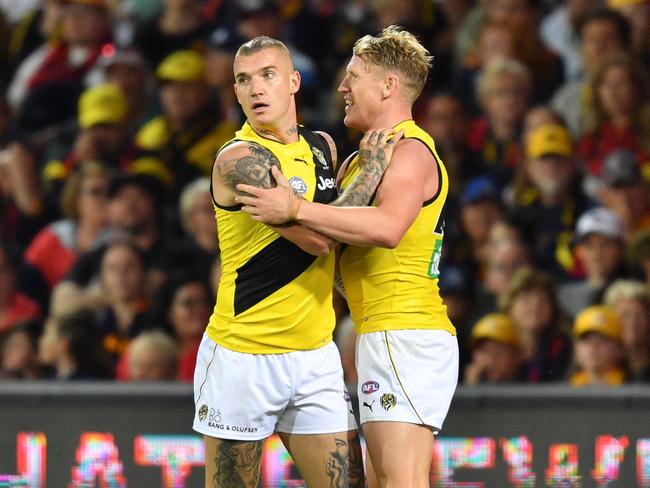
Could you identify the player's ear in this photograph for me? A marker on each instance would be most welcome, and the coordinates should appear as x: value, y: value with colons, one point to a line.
x: 391, y: 82
x: 294, y: 83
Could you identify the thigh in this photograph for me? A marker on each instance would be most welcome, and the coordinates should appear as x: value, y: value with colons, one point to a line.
x: 320, y: 403
x: 230, y: 463
x: 406, y: 376
x: 400, y: 454
x: 327, y: 460
x: 239, y: 396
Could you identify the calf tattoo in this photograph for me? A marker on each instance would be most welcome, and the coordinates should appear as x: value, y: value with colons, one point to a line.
x: 254, y: 169
x: 237, y: 464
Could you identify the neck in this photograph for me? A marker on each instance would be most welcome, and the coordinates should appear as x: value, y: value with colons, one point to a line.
x: 286, y: 134
x: 621, y: 121
x: 503, y: 130
x: 388, y: 118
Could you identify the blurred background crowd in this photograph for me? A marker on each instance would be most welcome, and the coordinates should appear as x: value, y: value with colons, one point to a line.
x: 112, y: 111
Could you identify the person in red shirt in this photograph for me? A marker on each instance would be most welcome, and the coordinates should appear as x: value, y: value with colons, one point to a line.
x: 621, y: 108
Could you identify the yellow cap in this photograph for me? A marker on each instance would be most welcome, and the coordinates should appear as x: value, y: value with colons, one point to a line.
x: 182, y: 66
x: 497, y: 327
x: 548, y: 139
x: 616, y: 4
x: 600, y: 319
x: 102, y: 104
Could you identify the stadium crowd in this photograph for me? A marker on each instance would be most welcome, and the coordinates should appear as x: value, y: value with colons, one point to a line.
x: 112, y: 111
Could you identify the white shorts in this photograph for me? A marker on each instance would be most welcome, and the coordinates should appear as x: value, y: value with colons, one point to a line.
x: 406, y: 376
x: 249, y: 396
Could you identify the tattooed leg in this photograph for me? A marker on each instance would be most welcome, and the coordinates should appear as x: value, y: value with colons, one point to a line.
x: 327, y: 460
x: 232, y: 464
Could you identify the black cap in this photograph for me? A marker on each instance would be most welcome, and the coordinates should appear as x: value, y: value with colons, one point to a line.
x: 621, y: 167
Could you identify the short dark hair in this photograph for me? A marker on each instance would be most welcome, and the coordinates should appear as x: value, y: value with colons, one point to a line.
x: 600, y: 14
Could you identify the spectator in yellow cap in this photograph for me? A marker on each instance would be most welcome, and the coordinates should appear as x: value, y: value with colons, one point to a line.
x: 495, y: 347
x: 598, y: 355
x: 548, y: 197
x: 178, y: 146
x: 637, y: 13
x: 101, y: 112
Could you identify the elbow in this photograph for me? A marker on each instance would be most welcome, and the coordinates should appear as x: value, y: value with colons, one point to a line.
x: 321, y: 247
x: 387, y: 238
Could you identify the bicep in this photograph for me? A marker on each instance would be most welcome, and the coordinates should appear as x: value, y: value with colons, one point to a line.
x: 247, y: 163
x: 401, y: 192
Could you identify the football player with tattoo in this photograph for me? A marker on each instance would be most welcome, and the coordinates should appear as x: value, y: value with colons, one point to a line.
x: 407, y: 352
x: 267, y: 362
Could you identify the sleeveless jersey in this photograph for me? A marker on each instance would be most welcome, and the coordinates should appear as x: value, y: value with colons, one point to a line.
x: 390, y: 289
x: 274, y: 297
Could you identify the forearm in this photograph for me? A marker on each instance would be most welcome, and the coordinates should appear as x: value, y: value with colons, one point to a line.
x: 360, y: 226
x: 306, y: 239
x: 360, y: 191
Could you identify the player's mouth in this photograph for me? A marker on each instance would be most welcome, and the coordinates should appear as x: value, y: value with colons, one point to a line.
x: 259, y: 107
x: 348, y: 104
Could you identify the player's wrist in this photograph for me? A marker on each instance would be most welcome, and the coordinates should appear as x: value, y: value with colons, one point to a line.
x: 294, y: 207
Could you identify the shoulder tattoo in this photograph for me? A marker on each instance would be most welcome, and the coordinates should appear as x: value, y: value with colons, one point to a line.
x: 254, y: 169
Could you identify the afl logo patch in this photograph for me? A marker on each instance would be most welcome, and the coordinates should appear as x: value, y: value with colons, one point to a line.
x: 203, y: 412
x: 369, y: 387
x: 320, y: 156
x: 299, y: 185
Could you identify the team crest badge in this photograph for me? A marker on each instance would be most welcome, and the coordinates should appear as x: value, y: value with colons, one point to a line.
x: 388, y: 401
x: 203, y: 412
x: 320, y: 156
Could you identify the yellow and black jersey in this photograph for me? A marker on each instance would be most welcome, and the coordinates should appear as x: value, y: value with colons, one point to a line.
x: 389, y: 289
x: 274, y: 297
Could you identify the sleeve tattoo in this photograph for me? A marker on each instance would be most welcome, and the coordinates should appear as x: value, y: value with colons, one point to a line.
x: 254, y: 169
x: 360, y: 191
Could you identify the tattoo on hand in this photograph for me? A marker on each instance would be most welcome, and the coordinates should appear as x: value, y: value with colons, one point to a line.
x: 237, y: 464
x: 253, y: 170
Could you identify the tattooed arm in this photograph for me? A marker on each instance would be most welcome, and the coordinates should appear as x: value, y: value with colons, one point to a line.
x: 250, y: 163
x: 410, y: 180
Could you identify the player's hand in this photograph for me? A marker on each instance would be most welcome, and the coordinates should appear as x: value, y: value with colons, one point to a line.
x: 376, y: 149
x: 270, y: 205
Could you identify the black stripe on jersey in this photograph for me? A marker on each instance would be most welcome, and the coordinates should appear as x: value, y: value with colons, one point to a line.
x: 323, y: 166
x: 275, y: 266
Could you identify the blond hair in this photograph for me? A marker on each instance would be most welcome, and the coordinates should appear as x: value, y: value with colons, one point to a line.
x: 497, y: 68
x: 627, y: 289
x: 397, y: 49
x: 260, y: 43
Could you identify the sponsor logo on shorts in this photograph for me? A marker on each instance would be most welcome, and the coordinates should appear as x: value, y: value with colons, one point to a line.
x: 346, y: 397
x: 203, y: 412
x: 369, y: 405
x: 215, y: 421
x: 369, y: 387
x: 388, y: 401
